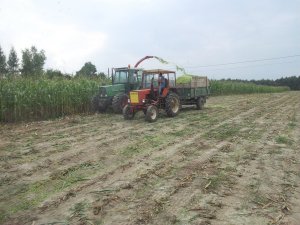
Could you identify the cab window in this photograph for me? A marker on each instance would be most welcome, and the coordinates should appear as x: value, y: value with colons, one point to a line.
x: 148, y: 79
x: 121, y: 77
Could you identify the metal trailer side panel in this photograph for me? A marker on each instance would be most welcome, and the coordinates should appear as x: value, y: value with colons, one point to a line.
x: 192, y: 93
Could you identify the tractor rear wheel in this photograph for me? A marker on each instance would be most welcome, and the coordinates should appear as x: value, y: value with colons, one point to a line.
x: 128, y: 113
x: 199, y: 103
x: 98, y: 105
x: 172, y: 104
x: 119, y: 101
x: 151, y: 113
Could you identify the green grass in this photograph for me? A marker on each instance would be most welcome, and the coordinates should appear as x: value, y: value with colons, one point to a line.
x: 283, y: 140
x: 224, y: 131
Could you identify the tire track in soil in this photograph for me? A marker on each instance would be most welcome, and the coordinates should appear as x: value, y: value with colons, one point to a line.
x: 244, y: 114
x: 178, y: 199
x: 182, y: 199
x: 238, y: 117
x: 76, y: 151
x: 269, y: 169
x: 63, y: 156
x: 69, y: 161
x: 294, y: 217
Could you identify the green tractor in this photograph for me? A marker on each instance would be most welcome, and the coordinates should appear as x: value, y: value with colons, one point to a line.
x: 124, y: 80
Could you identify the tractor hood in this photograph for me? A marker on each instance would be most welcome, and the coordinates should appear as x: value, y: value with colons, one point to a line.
x: 111, y: 90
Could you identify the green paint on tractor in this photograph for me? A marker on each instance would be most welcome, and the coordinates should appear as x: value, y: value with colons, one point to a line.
x: 116, y: 95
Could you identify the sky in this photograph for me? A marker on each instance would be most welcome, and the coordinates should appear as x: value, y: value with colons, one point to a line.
x: 258, y: 39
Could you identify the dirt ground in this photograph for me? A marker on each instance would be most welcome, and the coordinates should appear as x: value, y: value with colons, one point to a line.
x: 235, y: 162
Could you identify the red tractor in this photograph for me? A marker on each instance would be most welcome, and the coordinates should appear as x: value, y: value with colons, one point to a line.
x: 158, y: 91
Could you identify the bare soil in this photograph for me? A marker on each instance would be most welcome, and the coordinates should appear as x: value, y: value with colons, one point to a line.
x: 235, y: 162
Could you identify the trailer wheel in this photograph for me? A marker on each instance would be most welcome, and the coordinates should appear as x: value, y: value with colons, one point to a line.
x: 128, y: 113
x: 172, y: 104
x: 200, y: 103
x: 98, y: 105
x: 151, y: 113
x: 119, y: 101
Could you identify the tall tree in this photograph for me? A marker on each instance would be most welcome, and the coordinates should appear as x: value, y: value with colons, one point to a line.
x: 3, y: 69
x: 33, y: 62
x: 13, y: 62
x: 88, y: 69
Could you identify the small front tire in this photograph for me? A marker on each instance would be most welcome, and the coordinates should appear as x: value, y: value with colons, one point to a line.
x: 151, y: 113
x: 128, y: 113
x: 172, y: 105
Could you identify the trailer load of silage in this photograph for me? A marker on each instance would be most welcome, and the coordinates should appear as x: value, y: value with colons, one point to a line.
x: 184, y: 79
x: 188, y: 80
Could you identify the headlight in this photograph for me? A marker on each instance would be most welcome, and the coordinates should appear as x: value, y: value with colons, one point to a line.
x: 129, y: 100
x: 101, y: 95
x: 105, y: 95
x: 144, y: 100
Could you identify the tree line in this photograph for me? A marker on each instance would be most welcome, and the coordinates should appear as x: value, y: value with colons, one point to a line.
x: 32, y: 65
x: 293, y: 82
x: 33, y: 61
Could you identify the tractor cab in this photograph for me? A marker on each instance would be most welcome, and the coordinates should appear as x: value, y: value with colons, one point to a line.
x: 158, y: 91
x: 130, y: 78
x: 158, y: 81
x: 150, y: 76
x: 124, y: 80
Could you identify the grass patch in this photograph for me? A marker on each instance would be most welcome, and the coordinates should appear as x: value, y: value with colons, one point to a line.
x: 224, y: 131
x: 131, y: 150
x: 292, y: 125
x: 28, y: 196
x: 216, y: 181
x: 78, y: 213
x: 283, y: 140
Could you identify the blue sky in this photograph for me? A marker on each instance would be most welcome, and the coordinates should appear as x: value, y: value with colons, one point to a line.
x: 190, y: 33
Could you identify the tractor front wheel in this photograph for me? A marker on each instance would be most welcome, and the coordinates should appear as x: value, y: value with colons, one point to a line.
x: 151, y: 113
x: 119, y: 101
x: 128, y: 113
x: 172, y: 105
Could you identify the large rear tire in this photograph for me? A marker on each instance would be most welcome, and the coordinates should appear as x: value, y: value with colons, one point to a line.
x: 151, y: 113
x: 128, y: 113
x: 172, y: 104
x: 200, y: 103
x: 119, y: 101
x: 98, y: 105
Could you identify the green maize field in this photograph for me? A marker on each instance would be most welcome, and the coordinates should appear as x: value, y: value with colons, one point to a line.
x: 24, y: 99
x: 232, y: 87
x: 35, y: 99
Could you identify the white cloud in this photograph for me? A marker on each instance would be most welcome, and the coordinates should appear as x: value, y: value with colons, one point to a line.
x: 112, y: 33
x: 67, y: 45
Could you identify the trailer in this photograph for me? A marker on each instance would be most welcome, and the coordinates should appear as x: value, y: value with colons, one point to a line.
x: 160, y: 91
x: 196, y: 91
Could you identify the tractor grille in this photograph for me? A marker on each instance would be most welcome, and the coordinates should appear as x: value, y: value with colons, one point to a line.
x: 134, y: 97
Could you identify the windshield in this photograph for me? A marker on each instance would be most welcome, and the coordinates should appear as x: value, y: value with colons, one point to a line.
x: 148, y: 79
x: 121, y: 77
x: 170, y: 79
